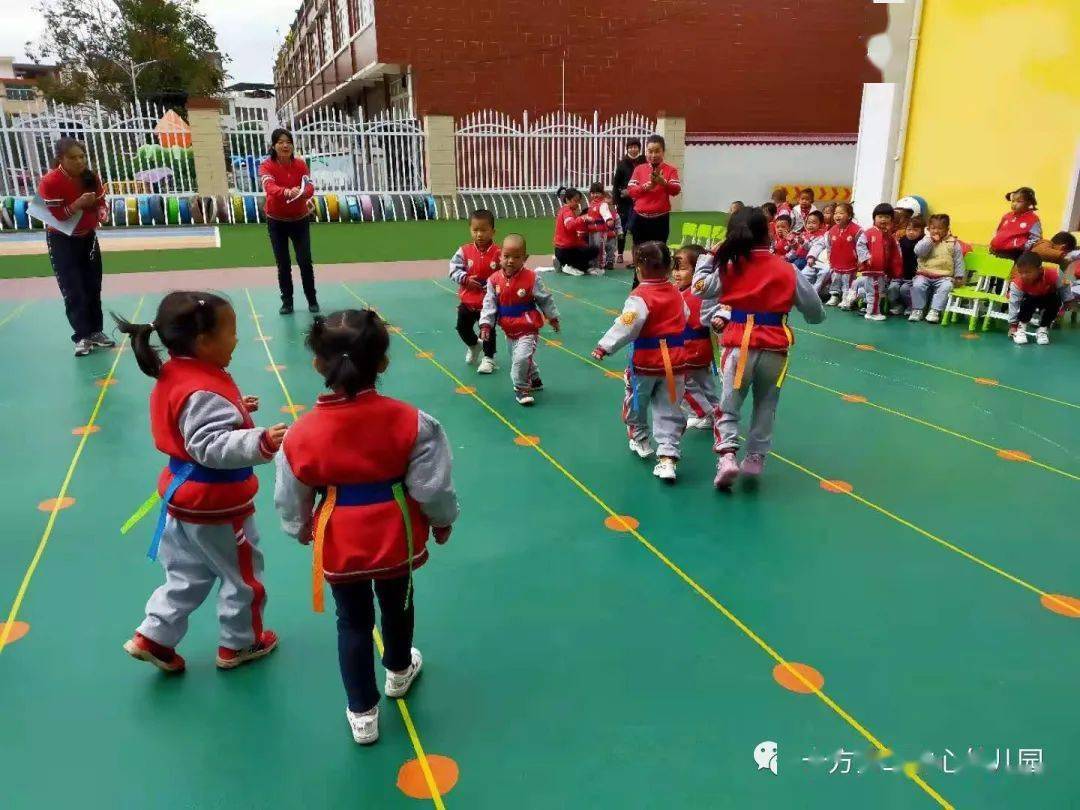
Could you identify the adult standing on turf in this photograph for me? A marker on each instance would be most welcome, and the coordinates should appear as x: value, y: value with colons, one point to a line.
x: 71, y: 189
x: 288, y: 187
x: 623, y: 172
x: 651, y: 187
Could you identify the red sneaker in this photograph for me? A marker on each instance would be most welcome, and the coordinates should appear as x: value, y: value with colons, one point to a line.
x: 164, y: 658
x: 231, y: 659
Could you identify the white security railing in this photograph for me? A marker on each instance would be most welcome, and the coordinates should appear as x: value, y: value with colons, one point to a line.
x: 138, y: 152
x: 499, y: 154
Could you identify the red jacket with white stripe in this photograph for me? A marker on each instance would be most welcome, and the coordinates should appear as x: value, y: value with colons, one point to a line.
x: 762, y: 286
x: 698, y: 340
x: 479, y: 264
x: 841, y: 242
x: 1014, y: 230
x: 666, y: 321
x: 569, y: 228
x: 59, y: 190
x: 276, y: 178
x: 884, y: 254
x: 655, y: 201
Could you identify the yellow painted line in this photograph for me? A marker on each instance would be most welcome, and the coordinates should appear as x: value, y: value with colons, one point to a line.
x: 406, y: 716
x: 918, y: 529
x: 656, y: 552
x: 14, y: 313
x: 47, y: 533
x: 942, y: 369
x: 933, y: 426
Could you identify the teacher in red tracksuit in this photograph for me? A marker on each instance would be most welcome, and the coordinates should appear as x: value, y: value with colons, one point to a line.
x: 287, y: 183
x: 651, y: 187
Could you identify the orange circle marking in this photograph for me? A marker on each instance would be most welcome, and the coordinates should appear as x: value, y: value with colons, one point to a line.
x: 853, y: 398
x: 836, y: 485
x: 986, y: 381
x: 1064, y: 605
x: 424, y: 355
x: 783, y: 675
x: 275, y: 367
x: 865, y: 347
x: 105, y: 382
x: 293, y: 409
x: 83, y: 429
x: 18, y: 630
x: 616, y: 375
x: 1013, y: 455
x: 555, y: 343
x: 62, y: 503
x: 411, y: 781
x: 464, y: 389
x: 970, y: 336
x: 527, y: 441
x: 621, y: 523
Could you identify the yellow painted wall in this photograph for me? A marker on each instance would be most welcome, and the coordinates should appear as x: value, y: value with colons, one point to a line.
x: 995, y: 105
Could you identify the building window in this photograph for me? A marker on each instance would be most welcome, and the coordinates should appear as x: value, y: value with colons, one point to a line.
x: 344, y: 30
x: 327, y: 31
x: 20, y: 93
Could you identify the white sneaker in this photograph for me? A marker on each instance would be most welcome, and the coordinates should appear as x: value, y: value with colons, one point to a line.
x: 643, y: 449
x: 398, y: 683
x: 524, y: 399
x: 933, y: 316
x: 665, y: 469
x: 365, y: 726
x: 699, y: 423
x: 571, y: 271
x: 915, y: 316
x: 870, y: 317
x: 83, y: 348
x: 472, y: 354
x: 1020, y: 337
x: 1042, y: 336
x: 834, y: 299
x: 848, y: 301
x: 896, y: 309
x: 596, y: 271
x: 487, y: 366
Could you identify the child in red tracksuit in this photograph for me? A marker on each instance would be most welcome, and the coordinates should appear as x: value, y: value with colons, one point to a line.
x: 847, y: 250
x: 383, y: 471
x: 700, y: 399
x: 601, y: 218
x: 1034, y: 287
x: 206, y: 532
x: 654, y: 321
x: 470, y: 268
x: 574, y: 255
x: 785, y: 243
x: 1020, y: 228
x: 884, y: 264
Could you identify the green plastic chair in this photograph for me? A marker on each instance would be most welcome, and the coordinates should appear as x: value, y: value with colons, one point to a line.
x: 689, y: 232
x: 969, y: 299
x: 704, y: 231
x: 994, y: 277
x: 719, y: 233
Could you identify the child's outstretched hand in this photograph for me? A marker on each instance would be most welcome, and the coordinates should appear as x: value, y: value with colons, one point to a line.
x: 555, y: 325
x: 485, y: 333
x: 598, y: 354
x: 718, y: 324
x: 251, y: 403
x: 441, y: 533
x: 275, y: 434
x: 475, y: 283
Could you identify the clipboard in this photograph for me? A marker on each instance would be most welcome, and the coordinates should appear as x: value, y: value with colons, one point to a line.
x: 37, y: 210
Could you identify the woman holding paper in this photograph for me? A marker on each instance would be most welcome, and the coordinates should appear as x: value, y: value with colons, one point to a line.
x: 288, y: 187
x: 75, y: 199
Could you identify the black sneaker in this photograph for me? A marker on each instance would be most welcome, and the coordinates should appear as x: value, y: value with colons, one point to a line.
x: 286, y: 309
x: 102, y: 340
x: 313, y: 308
x: 83, y: 347
x: 537, y: 384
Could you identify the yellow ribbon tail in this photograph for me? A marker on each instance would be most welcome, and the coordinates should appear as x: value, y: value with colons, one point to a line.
x: 669, y: 372
x: 744, y: 351
x: 318, y: 599
x: 783, y: 371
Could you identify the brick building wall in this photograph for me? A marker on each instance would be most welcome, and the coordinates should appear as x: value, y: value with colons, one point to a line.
x: 788, y: 66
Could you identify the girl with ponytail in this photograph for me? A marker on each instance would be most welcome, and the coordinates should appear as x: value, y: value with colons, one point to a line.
x: 206, y: 531
x: 382, y: 472
x: 760, y: 289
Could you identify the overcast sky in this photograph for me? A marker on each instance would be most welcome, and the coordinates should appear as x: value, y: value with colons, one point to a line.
x: 249, y: 32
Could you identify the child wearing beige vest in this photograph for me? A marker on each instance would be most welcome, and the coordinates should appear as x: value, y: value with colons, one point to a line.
x: 940, y: 267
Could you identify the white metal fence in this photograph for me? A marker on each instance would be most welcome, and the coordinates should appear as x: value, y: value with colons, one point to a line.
x: 498, y: 153
x: 142, y: 152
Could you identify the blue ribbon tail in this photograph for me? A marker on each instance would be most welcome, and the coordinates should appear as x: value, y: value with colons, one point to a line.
x: 178, y: 480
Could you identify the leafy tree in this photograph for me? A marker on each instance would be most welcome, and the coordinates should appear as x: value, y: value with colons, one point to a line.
x: 96, y: 41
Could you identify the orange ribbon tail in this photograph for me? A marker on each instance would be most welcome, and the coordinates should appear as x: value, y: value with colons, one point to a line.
x: 744, y: 351
x: 317, y: 597
x: 669, y: 372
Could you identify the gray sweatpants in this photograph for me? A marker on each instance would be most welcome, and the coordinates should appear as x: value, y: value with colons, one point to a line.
x: 195, y: 556
x: 763, y: 369
x: 819, y: 276
x: 1016, y: 295
x: 935, y: 289
x: 701, y: 398
x: 668, y: 420
x: 841, y: 283
x: 871, y: 287
x: 899, y: 292
x: 523, y: 368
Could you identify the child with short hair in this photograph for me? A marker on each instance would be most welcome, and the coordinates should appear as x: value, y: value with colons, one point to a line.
x: 700, y: 397
x: 900, y: 288
x: 573, y: 254
x: 883, y: 265
x: 845, y: 244
x: 1020, y: 228
x: 940, y: 267
x: 779, y: 199
x: 1064, y: 244
x: 601, y: 216
x: 518, y: 302
x: 470, y: 268
x: 801, y: 211
x: 383, y: 470
x: 785, y: 245
x: 760, y: 289
x: 654, y: 320
x: 818, y: 274
x: 1033, y: 287
x: 206, y: 532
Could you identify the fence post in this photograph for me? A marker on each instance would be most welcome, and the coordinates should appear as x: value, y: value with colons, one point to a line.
x: 439, y: 158
x: 673, y: 130
x: 204, y: 117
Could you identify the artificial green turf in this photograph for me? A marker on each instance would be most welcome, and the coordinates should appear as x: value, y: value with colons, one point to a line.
x: 248, y: 245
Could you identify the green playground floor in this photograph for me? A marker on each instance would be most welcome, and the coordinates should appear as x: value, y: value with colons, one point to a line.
x: 567, y: 664
x: 248, y: 245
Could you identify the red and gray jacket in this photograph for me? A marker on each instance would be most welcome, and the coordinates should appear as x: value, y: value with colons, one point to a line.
x: 517, y: 303
x: 471, y: 262
x: 655, y: 201
x: 697, y: 338
x: 570, y: 228
x: 1017, y: 231
x: 885, y: 258
x: 653, y: 320
x: 276, y: 178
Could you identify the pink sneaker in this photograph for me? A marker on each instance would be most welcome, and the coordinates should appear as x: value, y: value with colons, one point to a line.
x: 753, y: 464
x: 727, y: 470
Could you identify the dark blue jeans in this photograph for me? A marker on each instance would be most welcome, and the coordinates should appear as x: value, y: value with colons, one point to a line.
x: 76, y: 263
x: 299, y: 231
